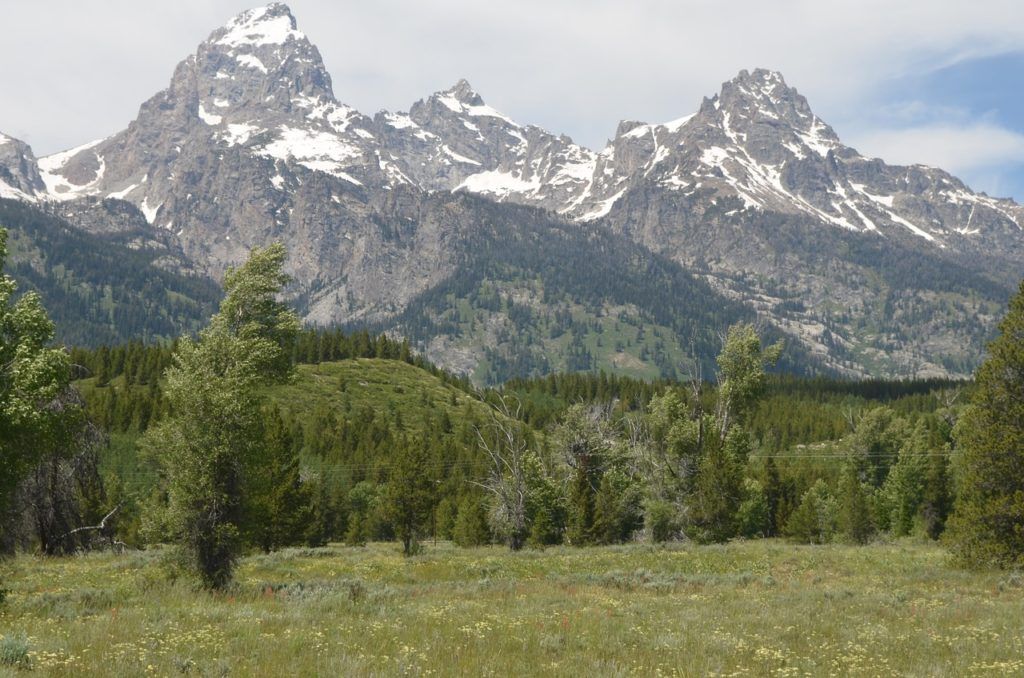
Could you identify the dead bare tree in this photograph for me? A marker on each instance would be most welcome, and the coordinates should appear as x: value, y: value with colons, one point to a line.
x: 507, y: 451
x: 101, y: 527
x: 851, y: 415
x: 948, y: 398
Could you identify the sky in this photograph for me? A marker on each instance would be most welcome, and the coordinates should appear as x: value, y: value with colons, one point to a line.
x: 939, y: 82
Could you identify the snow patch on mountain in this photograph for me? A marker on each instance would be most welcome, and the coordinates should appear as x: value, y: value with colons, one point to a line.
x: 498, y: 184
x: 602, y: 208
x: 454, y: 104
x: 317, y: 150
x: 458, y: 158
x: 239, y: 133
x: 11, y: 193
x: 149, y: 212
x: 261, y: 26
x: 57, y: 185
x: 122, y: 194
x: 211, y: 119
x: 249, y: 61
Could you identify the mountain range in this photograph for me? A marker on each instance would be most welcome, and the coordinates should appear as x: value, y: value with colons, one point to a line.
x: 503, y: 249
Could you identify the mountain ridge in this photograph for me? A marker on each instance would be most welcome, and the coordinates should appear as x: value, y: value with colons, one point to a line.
x: 752, y: 192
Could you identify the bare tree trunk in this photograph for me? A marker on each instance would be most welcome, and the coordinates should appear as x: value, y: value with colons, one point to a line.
x: 507, y: 451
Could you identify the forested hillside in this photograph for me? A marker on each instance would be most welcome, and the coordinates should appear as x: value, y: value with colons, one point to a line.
x: 104, y: 288
x: 530, y: 295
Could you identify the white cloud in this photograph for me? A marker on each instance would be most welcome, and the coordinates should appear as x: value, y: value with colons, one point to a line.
x: 953, y: 148
x: 975, y: 152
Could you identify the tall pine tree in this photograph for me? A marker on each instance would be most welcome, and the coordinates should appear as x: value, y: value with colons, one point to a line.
x: 988, y: 522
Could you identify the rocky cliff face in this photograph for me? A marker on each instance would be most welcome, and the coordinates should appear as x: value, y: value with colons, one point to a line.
x: 875, y: 269
x: 453, y: 141
x: 759, y: 141
x: 863, y: 263
x: 19, y: 171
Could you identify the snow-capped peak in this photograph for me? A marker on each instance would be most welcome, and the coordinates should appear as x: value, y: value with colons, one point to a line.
x: 269, y: 25
x: 763, y: 96
x: 462, y: 92
x: 462, y: 99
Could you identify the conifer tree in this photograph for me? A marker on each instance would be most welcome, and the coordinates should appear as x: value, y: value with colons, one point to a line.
x: 410, y: 493
x: 904, y: 490
x: 988, y: 521
x: 772, y: 485
x: 753, y: 515
x: 854, y: 511
x: 937, y: 502
x: 814, y: 520
x: 719, y: 489
x: 278, y: 504
x: 471, y: 523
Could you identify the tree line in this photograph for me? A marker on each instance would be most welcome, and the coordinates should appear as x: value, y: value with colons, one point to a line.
x: 565, y: 459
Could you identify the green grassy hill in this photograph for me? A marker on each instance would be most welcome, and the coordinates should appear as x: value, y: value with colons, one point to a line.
x: 389, y: 387
x: 346, y: 420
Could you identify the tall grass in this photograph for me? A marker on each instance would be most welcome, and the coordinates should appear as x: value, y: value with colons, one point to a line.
x: 748, y: 608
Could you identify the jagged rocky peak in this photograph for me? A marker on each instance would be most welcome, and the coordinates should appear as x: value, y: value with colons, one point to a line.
x: 631, y: 127
x: 462, y: 102
x: 261, y: 59
x: 765, y: 90
x: 257, y: 83
x: 463, y: 93
x: 757, y: 109
x: 273, y: 23
x: 19, y: 171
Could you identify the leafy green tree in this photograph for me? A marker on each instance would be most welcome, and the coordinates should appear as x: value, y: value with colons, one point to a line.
x: 879, y: 435
x: 694, y: 460
x: 215, y: 430
x: 618, y: 512
x: 742, y: 375
x: 581, y: 438
x: 445, y: 515
x: 672, y: 453
x: 988, y: 520
x: 546, y: 511
x: 363, y: 500
x: 409, y: 498
x: 903, y: 493
x: 34, y: 418
x: 753, y: 517
x: 251, y: 311
x: 661, y: 520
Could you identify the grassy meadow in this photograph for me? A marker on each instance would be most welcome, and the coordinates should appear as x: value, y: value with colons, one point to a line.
x: 747, y: 608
